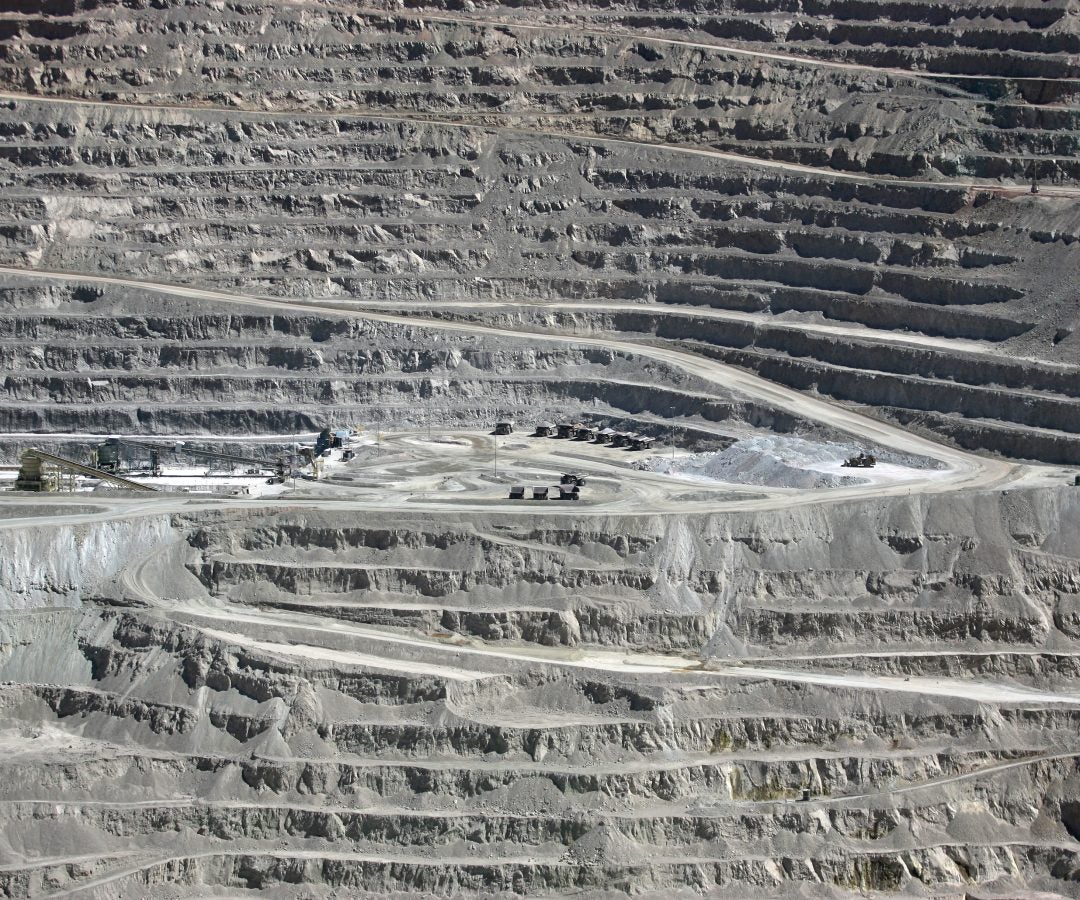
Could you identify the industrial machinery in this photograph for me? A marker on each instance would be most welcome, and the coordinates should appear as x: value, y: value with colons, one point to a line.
x: 860, y: 461
x: 312, y: 457
x: 118, y: 455
x: 327, y: 440
x: 41, y: 471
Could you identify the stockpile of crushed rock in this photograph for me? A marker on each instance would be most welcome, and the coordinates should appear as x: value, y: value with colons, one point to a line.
x: 773, y: 460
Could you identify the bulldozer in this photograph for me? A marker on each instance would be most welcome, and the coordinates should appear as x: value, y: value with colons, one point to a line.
x: 861, y: 461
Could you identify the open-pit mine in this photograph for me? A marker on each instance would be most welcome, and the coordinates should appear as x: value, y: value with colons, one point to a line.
x: 582, y: 448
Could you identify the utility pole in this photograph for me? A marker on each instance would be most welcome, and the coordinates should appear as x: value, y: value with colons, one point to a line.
x: 496, y: 456
x: 672, y: 408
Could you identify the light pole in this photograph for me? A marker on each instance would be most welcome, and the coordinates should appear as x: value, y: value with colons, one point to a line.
x: 672, y: 408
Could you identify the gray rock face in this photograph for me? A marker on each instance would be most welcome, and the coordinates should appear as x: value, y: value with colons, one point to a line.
x: 269, y: 726
x: 237, y: 223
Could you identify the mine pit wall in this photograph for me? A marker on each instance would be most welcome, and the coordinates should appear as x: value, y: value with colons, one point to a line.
x: 586, y: 83
x: 980, y: 401
x: 441, y: 760
x: 626, y: 223
x: 365, y: 768
x: 874, y: 568
x: 934, y: 571
x: 469, y: 780
x: 380, y: 877
x: 231, y: 374
x: 829, y: 741
x: 61, y: 565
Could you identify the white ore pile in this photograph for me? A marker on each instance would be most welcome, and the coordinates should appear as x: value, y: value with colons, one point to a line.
x: 781, y: 461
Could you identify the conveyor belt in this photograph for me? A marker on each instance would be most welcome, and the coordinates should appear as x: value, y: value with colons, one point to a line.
x: 206, y: 454
x: 82, y: 469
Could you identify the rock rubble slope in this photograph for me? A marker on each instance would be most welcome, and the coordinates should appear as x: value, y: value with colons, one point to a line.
x: 235, y: 223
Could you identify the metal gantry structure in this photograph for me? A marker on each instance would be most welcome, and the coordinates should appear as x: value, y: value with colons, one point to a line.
x: 110, y: 457
x: 34, y: 474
